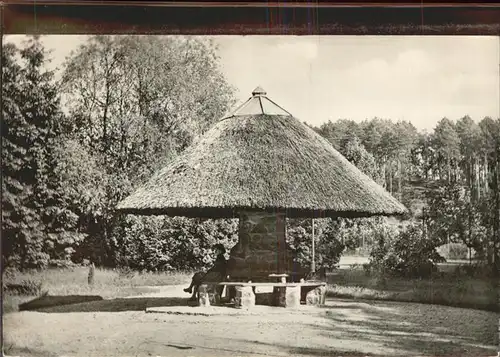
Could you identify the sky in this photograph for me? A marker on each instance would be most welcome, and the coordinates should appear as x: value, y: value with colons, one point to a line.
x: 319, y: 78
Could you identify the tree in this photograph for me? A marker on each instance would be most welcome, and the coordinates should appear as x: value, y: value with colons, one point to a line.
x: 137, y: 101
x: 488, y: 139
x: 391, y: 145
x: 158, y: 92
x: 35, y: 222
x: 372, y: 135
x: 405, y: 140
x: 470, y: 226
x: 443, y: 212
x: 176, y: 243
x: 338, y: 133
x: 328, y: 244
x: 447, y: 145
x: 20, y: 223
x: 424, y: 157
x: 490, y: 149
x: 82, y: 191
x: 469, y: 134
x: 354, y: 151
x: 407, y: 253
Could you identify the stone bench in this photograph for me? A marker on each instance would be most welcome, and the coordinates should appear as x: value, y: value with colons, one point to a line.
x: 284, y: 294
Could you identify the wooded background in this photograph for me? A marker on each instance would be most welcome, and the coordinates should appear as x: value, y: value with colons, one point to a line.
x: 126, y: 105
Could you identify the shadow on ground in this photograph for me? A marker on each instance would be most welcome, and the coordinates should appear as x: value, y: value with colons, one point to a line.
x: 85, y: 303
x: 313, y: 352
x: 389, y: 329
x: 417, y: 329
x: 27, y: 352
x: 45, y: 301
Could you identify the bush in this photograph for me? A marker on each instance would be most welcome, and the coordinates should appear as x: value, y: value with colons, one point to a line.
x: 477, y: 270
x: 328, y: 245
x: 409, y: 254
x: 454, y: 251
x: 367, y: 268
x: 125, y: 272
x: 25, y: 287
x: 61, y: 264
x: 458, y: 251
x: 171, y: 243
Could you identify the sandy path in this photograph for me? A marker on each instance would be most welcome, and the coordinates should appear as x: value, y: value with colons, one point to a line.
x: 343, y: 327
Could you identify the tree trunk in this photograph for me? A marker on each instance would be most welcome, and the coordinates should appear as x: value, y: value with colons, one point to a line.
x: 390, y: 177
x: 449, y: 169
x: 478, y: 181
x: 486, y: 174
x: 470, y: 233
x: 383, y: 175
x: 140, y: 92
x: 91, y: 275
x: 448, y: 242
x: 426, y: 169
x: 424, y: 223
x: 467, y: 170
x: 399, y: 179
x: 496, y: 237
x: 105, y: 118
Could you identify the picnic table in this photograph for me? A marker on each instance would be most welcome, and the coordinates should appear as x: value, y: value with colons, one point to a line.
x: 283, y: 293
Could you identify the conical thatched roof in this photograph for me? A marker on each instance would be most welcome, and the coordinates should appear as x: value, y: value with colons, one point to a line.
x: 261, y: 158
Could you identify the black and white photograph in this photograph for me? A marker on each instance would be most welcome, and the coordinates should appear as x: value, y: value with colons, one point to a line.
x: 220, y: 195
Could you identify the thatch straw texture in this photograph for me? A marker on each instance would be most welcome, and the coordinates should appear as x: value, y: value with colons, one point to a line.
x: 261, y: 162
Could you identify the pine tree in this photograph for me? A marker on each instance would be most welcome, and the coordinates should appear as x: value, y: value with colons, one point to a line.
x: 34, y: 211
x: 20, y: 221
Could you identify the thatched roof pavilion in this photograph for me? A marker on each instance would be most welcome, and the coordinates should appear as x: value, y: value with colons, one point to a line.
x: 261, y: 164
x: 261, y: 158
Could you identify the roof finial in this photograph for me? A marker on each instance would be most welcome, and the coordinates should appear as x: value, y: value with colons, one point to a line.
x: 258, y: 92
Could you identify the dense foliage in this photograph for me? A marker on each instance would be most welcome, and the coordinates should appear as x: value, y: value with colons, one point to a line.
x: 449, y: 179
x: 131, y: 103
x: 160, y: 243
x: 38, y: 223
x: 409, y: 254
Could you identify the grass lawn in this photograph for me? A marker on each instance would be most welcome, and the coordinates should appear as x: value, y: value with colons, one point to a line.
x: 352, y: 283
x: 107, y: 284
x: 446, y: 289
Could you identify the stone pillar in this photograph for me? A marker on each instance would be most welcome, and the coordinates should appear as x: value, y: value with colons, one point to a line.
x: 91, y: 275
x: 287, y: 296
x: 317, y: 296
x: 281, y: 247
x: 245, y: 298
x: 208, y: 295
x: 292, y: 297
x: 203, y: 298
x: 279, y: 295
x: 261, y: 249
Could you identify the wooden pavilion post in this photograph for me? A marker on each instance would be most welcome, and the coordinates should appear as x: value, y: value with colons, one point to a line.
x: 280, y: 236
x: 313, y: 263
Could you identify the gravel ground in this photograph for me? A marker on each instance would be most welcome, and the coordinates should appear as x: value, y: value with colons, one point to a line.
x: 344, y: 327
